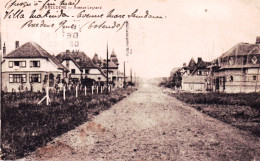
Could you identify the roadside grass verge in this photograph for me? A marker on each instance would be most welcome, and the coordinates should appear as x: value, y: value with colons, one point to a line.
x: 241, y: 110
x: 27, y: 126
x: 242, y: 99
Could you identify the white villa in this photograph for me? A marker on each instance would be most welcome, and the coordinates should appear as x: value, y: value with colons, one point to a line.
x: 31, y: 68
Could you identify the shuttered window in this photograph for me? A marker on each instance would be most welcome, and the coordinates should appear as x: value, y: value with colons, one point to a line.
x: 17, y: 64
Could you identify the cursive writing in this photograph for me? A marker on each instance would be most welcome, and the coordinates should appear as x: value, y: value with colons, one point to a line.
x: 14, y: 3
x: 48, y: 14
x: 30, y: 23
x: 63, y: 24
x: 146, y: 15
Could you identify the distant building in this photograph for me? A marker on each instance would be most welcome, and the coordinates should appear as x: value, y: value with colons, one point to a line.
x: 80, y: 66
x: 238, y: 69
x: 235, y: 71
x: 112, y: 67
x: 31, y: 68
x: 194, y: 77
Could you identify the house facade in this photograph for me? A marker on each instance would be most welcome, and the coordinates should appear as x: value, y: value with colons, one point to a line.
x: 238, y: 69
x: 113, y: 73
x: 80, y: 66
x: 235, y: 71
x: 31, y: 68
x: 194, y: 76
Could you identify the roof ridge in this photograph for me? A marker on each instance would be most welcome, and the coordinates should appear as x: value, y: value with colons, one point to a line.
x: 36, y: 47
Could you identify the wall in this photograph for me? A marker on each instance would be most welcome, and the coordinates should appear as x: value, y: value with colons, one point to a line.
x: 242, y: 80
x: 9, y: 87
x: 45, y: 65
x: 194, y: 83
x: 72, y: 65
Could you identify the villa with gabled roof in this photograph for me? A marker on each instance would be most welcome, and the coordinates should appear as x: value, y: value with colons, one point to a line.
x: 31, y: 68
x: 195, y: 75
x: 80, y: 66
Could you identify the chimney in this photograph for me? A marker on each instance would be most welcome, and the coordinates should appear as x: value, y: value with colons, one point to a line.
x: 199, y: 60
x: 16, y: 44
x: 257, y: 40
x: 4, y: 50
x: 184, y: 64
x: 67, y: 53
x: 67, y: 59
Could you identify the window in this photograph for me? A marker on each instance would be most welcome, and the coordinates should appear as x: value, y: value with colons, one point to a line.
x: 244, y: 71
x: 199, y: 72
x: 17, y: 64
x: 17, y: 78
x: 34, y: 64
x: 77, y: 60
x: 73, y: 71
x: 35, y: 78
x: 254, y: 77
x: 230, y: 78
x: 86, y: 71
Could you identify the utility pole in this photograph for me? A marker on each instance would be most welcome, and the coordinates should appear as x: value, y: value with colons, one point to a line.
x: 135, y: 78
x: 131, y: 75
x: 124, y: 76
x: 0, y: 86
x: 107, y: 67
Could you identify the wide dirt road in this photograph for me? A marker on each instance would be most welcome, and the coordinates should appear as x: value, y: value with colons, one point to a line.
x: 150, y: 125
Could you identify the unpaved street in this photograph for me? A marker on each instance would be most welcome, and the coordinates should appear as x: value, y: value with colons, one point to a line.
x: 150, y: 125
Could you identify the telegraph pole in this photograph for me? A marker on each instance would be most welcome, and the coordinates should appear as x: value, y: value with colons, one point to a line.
x: 0, y: 86
x: 135, y: 78
x: 107, y: 67
x: 124, y: 76
x: 131, y: 75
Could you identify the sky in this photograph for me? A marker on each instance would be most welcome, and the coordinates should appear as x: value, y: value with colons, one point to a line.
x: 188, y: 29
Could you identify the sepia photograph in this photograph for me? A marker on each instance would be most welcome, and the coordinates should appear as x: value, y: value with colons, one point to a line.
x: 105, y: 80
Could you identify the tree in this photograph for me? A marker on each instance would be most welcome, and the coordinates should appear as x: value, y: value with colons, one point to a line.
x: 176, y: 80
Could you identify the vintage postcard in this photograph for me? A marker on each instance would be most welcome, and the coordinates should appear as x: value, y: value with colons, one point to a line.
x: 130, y: 80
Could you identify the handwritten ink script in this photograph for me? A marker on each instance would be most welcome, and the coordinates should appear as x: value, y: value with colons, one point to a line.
x: 39, y: 13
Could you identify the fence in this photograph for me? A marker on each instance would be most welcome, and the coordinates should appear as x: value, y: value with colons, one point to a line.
x: 52, y: 94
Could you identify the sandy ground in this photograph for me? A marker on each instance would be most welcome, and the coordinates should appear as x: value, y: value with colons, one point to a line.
x: 150, y: 125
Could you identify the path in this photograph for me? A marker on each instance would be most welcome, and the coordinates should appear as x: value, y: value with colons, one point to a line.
x: 150, y: 125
